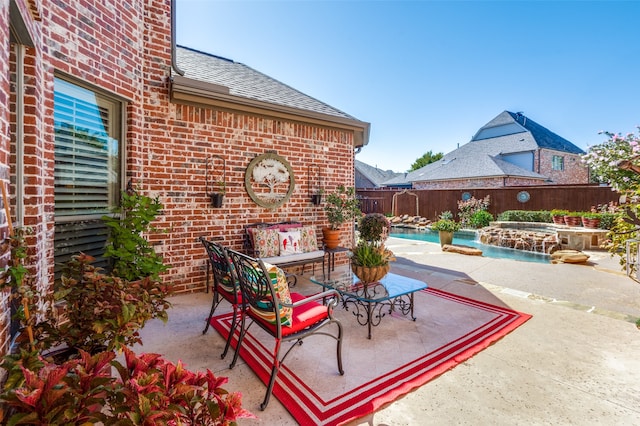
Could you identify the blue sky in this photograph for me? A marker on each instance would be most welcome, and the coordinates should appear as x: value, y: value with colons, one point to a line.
x: 428, y: 74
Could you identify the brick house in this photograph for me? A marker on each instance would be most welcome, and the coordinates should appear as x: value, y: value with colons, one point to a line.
x: 96, y: 96
x: 510, y: 150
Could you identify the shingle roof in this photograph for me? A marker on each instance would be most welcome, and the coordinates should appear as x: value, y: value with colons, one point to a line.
x: 542, y: 136
x: 373, y: 174
x: 483, y: 156
x: 246, y: 82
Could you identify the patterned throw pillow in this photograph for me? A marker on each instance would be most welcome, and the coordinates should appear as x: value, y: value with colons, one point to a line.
x: 281, y: 287
x: 289, y: 242
x: 266, y: 242
x: 308, y: 239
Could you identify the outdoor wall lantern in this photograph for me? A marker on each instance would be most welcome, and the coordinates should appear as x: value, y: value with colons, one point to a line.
x: 216, y: 188
x: 314, y: 184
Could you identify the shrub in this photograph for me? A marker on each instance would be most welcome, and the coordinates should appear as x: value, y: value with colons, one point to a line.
x: 480, y: 219
x: 525, y: 216
x: 469, y: 207
x: 146, y: 390
x: 607, y: 220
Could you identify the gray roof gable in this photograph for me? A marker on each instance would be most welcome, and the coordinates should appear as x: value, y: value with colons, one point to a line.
x: 518, y: 123
x: 483, y: 156
x: 246, y: 82
x: 375, y: 175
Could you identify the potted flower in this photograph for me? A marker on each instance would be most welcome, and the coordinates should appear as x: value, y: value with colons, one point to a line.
x: 445, y: 226
x: 370, y: 258
x: 341, y: 206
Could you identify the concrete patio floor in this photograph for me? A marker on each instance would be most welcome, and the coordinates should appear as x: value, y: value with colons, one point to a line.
x: 575, y: 362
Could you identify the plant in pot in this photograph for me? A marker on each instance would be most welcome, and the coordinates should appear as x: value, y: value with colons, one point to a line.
x: 341, y: 206
x: 573, y: 218
x: 445, y: 226
x: 101, y: 312
x: 591, y: 220
x: 558, y: 216
x: 370, y: 258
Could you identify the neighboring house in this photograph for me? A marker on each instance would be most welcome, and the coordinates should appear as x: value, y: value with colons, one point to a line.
x: 510, y: 150
x: 368, y: 177
x: 96, y: 97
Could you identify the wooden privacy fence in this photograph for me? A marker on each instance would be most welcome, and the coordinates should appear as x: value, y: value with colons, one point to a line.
x: 432, y: 202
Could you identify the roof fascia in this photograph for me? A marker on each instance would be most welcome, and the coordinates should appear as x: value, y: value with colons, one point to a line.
x: 479, y: 177
x: 187, y: 90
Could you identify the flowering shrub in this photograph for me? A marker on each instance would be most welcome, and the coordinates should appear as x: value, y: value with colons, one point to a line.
x: 469, y: 207
x: 603, y: 160
x: 613, y: 162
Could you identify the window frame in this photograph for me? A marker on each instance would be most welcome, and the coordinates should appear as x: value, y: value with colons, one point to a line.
x: 557, y: 163
x: 120, y: 106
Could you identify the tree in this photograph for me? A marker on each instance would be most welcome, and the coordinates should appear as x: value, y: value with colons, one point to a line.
x: 427, y: 158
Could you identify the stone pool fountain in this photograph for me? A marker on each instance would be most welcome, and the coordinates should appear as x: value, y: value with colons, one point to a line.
x: 541, y: 237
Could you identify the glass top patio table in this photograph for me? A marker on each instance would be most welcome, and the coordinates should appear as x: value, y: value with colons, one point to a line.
x: 367, y: 300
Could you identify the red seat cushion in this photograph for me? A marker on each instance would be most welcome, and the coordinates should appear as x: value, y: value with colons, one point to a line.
x: 229, y: 296
x: 303, y: 316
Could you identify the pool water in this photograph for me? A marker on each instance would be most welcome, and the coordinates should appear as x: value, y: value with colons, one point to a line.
x: 468, y: 239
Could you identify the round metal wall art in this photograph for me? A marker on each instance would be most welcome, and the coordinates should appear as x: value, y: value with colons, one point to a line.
x: 466, y: 196
x: 523, y: 196
x: 269, y: 180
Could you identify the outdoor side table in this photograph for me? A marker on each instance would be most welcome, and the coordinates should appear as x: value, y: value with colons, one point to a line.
x: 330, y: 256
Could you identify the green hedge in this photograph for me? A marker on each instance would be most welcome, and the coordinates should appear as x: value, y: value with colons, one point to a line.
x: 525, y: 216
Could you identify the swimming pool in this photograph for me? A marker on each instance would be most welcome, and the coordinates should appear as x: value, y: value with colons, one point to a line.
x: 468, y: 239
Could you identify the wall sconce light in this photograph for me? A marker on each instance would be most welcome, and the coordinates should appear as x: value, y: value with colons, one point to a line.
x: 314, y: 184
x: 215, y: 188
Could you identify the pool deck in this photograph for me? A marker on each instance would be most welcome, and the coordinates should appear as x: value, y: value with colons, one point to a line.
x: 574, y: 362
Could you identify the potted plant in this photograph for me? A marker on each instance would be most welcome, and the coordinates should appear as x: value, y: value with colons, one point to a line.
x: 558, y: 216
x: 445, y: 226
x: 132, y: 256
x: 573, y: 219
x: 100, y: 311
x: 370, y: 258
x: 341, y: 206
x: 591, y: 220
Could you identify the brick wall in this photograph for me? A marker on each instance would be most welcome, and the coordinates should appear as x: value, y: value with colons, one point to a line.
x: 124, y: 48
x: 574, y: 171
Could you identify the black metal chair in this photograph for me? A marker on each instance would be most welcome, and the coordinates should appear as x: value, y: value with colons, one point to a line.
x: 225, y: 286
x: 288, y: 317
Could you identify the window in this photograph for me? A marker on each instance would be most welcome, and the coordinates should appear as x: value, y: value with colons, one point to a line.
x: 557, y: 162
x: 87, y: 168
